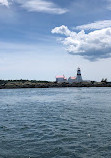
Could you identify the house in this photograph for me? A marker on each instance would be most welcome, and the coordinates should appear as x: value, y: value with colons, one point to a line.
x: 61, y: 79
x: 72, y: 79
x: 76, y: 79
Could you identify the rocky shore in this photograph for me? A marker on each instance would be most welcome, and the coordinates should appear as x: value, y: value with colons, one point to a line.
x: 11, y: 84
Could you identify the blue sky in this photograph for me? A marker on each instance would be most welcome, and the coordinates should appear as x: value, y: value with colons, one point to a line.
x: 40, y: 39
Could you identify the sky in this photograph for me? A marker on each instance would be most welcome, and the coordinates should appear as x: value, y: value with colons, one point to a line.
x: 40, y: 39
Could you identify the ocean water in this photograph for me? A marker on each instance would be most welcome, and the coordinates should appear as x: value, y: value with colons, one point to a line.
x: 55, y: 123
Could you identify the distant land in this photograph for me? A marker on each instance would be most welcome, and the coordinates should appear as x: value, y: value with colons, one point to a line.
x: 14, y: 84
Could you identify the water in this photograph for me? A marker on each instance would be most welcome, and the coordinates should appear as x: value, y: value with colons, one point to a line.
x: 55, y: 123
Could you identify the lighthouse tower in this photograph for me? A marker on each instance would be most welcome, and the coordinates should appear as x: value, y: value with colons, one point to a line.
x: 79, y: 77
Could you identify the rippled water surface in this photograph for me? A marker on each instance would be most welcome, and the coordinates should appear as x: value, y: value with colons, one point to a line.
x: 55, y: 123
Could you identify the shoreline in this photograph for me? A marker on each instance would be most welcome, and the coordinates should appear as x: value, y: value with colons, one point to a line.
x: 16, y: 84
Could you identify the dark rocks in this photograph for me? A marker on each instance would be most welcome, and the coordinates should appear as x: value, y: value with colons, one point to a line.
x: 10, y: 84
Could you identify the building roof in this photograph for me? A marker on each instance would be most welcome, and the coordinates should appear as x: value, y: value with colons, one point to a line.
x: 72, y: 78
x: 60, y: 77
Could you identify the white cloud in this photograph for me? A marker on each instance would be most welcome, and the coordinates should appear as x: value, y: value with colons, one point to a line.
x: 93, y: 45
x: 4, y: 2
x: 37, y: 6
x: 62, y: 30
x: 41, y: 6
x: 95, y: 25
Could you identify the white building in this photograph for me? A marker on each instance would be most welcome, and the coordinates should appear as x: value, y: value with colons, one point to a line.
x: 79, y: 77
x: 61, y: 79
x: 71, y: 79
x: 76, y: 79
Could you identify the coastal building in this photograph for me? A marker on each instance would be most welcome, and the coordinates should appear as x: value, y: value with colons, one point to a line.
x: 61, y: 79
x: 76, y: 79
x: 79, y: 77
x: 71, y: 79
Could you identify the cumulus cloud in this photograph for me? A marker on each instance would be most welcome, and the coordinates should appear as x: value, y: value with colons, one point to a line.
x: 62, y: 30
x: 93, y: 45
x: 41, y: 6
x: 4, y: 2
x: 95, y: 25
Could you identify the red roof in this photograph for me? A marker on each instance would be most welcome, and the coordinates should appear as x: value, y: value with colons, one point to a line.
x: 60, y: 76
x: 73, y: 78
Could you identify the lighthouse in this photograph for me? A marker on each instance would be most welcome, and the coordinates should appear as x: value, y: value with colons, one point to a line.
x: 79, y: 77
